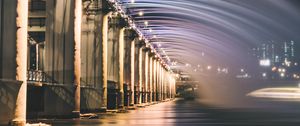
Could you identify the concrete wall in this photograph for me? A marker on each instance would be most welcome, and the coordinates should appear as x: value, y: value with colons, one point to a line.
x: 59, y: 44
x: 90, y: 100
x: 59, y: 57
x: 91, y: 47
x: 9, y: 87
x: 58, y: 100
x: 1, y: 41
x: 91, y: 59
x: 127, y: 51
x: 8, y: 39
x: 113, y: 54
x: 8, y: 95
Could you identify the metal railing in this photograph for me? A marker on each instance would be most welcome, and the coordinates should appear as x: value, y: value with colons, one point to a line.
x: 39, y: 76
x: 36, y: 75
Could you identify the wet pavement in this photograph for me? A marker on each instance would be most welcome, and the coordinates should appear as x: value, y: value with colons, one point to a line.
x: 187, y: 112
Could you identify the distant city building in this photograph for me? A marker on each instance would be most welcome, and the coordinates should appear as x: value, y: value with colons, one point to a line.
x: 277, y: 59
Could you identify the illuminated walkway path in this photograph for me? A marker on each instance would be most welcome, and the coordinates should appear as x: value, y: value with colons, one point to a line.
x: 181, y: 112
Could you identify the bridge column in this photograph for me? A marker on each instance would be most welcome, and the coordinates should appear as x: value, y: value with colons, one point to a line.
x: 21, y: 60
x: 103, y: 95
x: 161, y: 82
x: 170, y: 85
x: 164, y: 83
x: 150, y: 78
x: 154, y: 79
x: 146, y: 75
x: 121, y: 69
x: 158, y: 81
x: 140, y: 75
x: 77, y: 60
x: 132, y: 71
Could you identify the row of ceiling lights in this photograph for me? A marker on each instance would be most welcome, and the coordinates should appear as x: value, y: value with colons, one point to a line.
x: 132, y: 25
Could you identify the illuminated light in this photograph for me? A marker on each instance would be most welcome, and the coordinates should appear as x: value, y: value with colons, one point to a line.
x: 202, y: 54
x: 265, y: 62
x: 295, y: 75
x: 283, y: 70
x: 264, y: 74
x: 282, y: 74
x: 274, y: 68
x: 159, y: 45
x: 195, y: 70
x: 150, y: 30
x: 154, y: 36
x: 277, y: 93
x: 198, y: 65
x: 187, y: 65
x: 146, y: 23
x: 224, y: 70
x: 242, y: 70
x: 141, y: 13
x: 132, y: 1
x: 115, y: 13
x: 296, y: 64
x: 208, y: 67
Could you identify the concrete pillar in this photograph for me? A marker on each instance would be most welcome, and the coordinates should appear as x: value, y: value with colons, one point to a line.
x: 77, y: 60
x: 158, y: 81
x: 132, y: 58
x: 140, y: 74
x: 146, y: 90
x: 104, y: 60
x: 174, y: 87
x: 154, y: 79
x: 121, y: 69
x: 166, y: 85
x: 170, y: 85
x: 163, y: 83
x: 150, y: 78
x: 21, y: 61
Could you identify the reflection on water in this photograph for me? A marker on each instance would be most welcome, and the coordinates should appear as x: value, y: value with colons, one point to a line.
x: 189, y: 112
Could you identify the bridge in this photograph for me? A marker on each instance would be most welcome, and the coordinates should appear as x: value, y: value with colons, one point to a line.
x: 66, y: 58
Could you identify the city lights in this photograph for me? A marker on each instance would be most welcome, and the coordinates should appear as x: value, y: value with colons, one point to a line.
x: 265, y: 62
x: 264, y: 74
